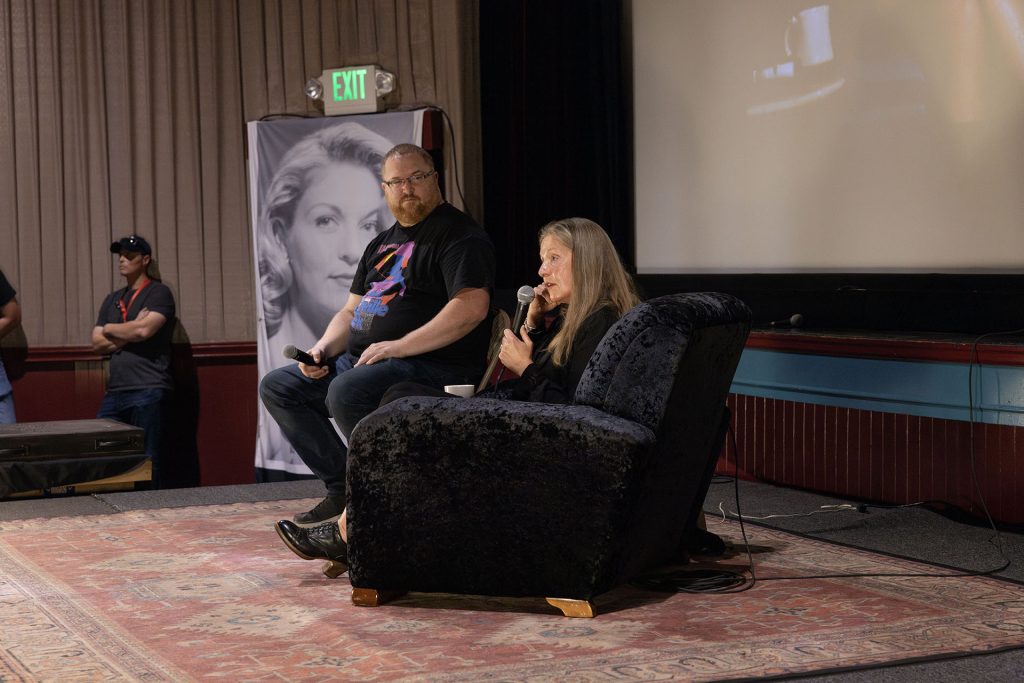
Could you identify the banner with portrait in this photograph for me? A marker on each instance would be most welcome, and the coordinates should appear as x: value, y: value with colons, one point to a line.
x: 316, y: 202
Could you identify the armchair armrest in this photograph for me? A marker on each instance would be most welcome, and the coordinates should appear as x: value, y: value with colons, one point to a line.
x: 464, y: 492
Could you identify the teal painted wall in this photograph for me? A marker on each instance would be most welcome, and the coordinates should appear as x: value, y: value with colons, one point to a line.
x: 924, y: 389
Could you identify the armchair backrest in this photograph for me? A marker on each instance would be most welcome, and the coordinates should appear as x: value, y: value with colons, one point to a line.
x: 636, y: 366
x: 668, y: 364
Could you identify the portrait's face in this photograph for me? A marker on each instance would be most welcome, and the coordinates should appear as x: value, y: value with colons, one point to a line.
x: 416, y: 193
x: 556, y: 269
x: 335, y: 218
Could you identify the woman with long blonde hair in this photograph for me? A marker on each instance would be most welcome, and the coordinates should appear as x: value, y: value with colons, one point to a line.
x: 584, y: 289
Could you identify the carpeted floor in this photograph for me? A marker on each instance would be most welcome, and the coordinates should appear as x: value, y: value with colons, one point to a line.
x: 208, y: 591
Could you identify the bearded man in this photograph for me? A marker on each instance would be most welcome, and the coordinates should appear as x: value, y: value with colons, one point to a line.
x: 417, y: 310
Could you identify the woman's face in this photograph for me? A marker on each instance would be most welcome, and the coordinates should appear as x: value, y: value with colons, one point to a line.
x: 556, y: 270
x: 334, y: 220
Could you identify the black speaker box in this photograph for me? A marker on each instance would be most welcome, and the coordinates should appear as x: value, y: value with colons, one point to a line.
x: 45, y: 455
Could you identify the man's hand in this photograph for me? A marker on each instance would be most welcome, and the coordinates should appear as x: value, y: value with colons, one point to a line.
x: 314, y: 371
x: 102, y: 345
x: 459, y: 316
x: 383, y: 350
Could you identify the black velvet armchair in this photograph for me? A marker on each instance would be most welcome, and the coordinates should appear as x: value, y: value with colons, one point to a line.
x: 498, y: 497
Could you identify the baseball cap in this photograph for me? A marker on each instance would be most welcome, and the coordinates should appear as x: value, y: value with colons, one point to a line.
x: 131, y: 243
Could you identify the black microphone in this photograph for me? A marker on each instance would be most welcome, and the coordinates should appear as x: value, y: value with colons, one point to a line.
x: 295, y: 354
x: 524, y: 296
x: 795, y: 320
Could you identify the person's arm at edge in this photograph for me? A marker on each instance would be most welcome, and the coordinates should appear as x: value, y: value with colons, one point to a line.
x: 10, y: 316
x: 460, y: 315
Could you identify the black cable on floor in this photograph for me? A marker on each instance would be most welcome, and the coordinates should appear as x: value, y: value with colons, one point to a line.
x: 728, y: 581
x: 707, y: 580
x: 996, y: 537
x: 691, y: 581
x: 971, y: 360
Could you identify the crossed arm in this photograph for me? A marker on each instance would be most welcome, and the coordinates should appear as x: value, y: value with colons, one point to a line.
x: 112, y: 336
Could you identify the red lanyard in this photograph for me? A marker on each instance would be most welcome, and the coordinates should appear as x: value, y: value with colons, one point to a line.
x: 125, y: 309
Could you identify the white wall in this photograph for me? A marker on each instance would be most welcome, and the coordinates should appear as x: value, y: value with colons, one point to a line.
x: 891, y: 138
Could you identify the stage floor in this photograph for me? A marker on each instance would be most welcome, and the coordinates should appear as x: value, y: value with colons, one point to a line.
x: 913, y: 532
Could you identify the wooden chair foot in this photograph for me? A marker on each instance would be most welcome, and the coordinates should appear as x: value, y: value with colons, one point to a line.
x: 333, y: 569
x: 371, y: 597
x: 573, y: 608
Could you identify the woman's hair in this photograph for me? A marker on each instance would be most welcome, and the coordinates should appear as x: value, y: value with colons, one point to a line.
x: 345, y: 142
x: 598, y: 278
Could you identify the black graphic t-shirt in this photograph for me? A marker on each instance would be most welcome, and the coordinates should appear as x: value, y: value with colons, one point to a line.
x: 145, y: 364
x: 407, y: 275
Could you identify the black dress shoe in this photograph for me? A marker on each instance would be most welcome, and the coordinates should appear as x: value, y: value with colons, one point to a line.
x: 318, y: 543
x: 327, y: 510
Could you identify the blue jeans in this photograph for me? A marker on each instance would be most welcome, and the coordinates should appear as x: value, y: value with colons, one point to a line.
x: 6, y: 398
x: 7, y: 409
x: 140, y: 408
x: 302, y: 406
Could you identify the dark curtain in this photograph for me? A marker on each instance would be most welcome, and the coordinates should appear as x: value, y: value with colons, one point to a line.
x: 555, y: 106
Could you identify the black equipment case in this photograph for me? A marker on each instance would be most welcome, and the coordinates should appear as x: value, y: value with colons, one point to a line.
x: 40, y: 456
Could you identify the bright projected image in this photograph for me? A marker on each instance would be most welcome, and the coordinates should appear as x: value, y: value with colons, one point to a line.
x: 853, y: 135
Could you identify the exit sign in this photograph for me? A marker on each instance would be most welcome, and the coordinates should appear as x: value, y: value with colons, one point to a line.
x: 350, y: 90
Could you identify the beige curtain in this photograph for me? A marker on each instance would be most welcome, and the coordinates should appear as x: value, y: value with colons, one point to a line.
x: 120, y: 116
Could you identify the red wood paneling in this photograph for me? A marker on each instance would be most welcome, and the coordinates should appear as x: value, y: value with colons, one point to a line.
x: 879, y: 457
x: 216, y: 396
x: 226, y: 432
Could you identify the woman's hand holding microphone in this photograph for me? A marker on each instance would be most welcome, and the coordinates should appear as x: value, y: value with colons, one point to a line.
x: 516, y: 352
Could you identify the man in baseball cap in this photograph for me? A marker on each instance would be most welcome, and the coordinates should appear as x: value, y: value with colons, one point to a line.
x: 131, y: 243
x: 134, y: 328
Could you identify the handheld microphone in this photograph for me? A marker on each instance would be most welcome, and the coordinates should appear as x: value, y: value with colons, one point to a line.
x: 795, y: 320
x: 296, y: 354
x: 525, y: 297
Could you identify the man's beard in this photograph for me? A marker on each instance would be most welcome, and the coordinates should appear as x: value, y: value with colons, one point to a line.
x: 409, y: 213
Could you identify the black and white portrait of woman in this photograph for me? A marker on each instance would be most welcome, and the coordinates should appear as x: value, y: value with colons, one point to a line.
x: 318, y: 204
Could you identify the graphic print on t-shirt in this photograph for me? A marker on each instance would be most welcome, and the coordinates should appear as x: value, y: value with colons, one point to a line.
x: 375, y: 301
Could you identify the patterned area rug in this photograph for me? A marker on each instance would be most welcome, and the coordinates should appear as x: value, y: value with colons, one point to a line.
x: 210, y: 592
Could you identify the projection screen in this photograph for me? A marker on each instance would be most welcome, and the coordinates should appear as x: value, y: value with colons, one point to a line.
x: 857, y: 135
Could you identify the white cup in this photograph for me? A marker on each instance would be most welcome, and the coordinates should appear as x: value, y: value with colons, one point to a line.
x: 812, y: 42
x: 464, y: 390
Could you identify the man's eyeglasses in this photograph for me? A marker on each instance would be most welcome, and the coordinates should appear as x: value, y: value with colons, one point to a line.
x: 414, y: 179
